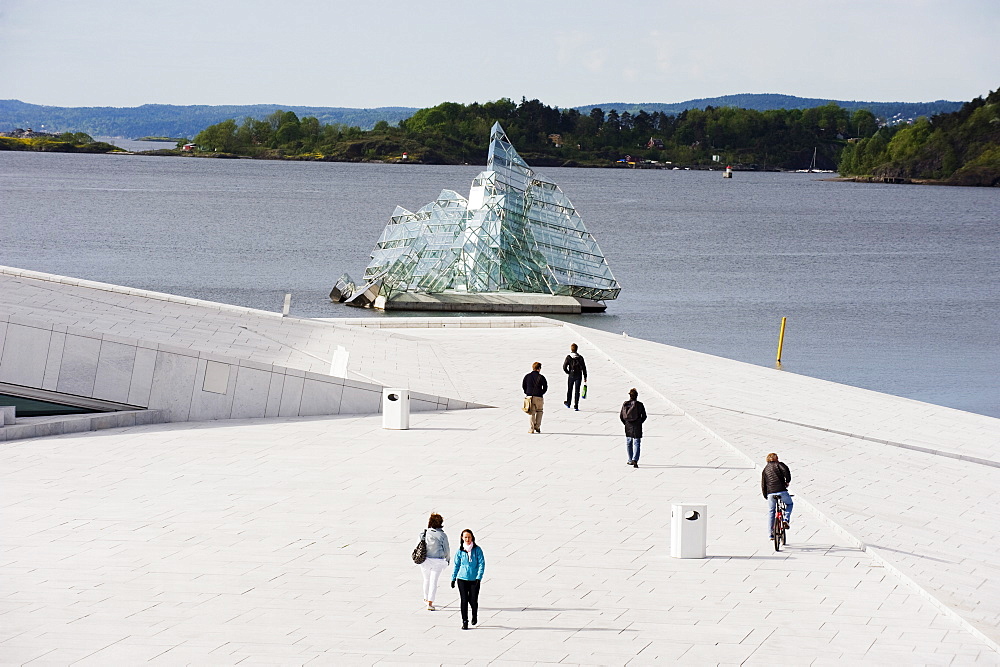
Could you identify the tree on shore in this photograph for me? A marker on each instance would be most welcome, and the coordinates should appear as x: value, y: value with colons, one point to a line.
x: 219, y: 137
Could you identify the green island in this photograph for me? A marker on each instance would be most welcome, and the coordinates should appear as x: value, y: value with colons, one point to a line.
x: 957, y: 148
x: 451, y: 133
x: 67, y: 142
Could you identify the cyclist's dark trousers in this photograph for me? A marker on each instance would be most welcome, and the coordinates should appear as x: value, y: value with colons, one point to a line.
x: 573, y: 389
x: 468, y: 591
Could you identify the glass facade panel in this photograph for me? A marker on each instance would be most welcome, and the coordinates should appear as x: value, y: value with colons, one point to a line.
x: 515, y: 232
x: 33, y: 407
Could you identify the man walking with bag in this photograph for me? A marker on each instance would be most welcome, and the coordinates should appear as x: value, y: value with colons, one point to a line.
x: 534, y: 385
x: 576, y: 369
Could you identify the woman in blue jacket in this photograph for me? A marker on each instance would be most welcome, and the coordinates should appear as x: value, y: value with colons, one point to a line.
x: 468, y: 572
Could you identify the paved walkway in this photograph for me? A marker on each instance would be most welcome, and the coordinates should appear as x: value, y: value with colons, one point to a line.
x: 916, y: 483
x: 287, y: 541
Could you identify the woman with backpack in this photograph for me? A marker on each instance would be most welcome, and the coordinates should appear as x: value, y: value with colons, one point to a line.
x: 633, y: 414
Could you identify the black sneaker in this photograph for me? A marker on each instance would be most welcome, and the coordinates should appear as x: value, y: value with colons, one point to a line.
x: 630, y: 463
x: 566, y: 403
x: 465, y: 625
x: 475, y: 620
x: 635, y: 464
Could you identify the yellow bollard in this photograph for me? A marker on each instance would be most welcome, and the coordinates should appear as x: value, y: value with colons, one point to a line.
x: 781, y: 338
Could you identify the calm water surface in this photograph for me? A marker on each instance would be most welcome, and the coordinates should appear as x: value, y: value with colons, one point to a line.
x: 133, y: 145
x: 892, y: 288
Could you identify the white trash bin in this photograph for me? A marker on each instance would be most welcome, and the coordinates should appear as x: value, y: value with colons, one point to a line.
x: 688, y: 530
x: 396, y: 409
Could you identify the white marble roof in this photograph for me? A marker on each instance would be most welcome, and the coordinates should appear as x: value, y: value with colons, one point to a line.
x: 287, y: 541
x: 384, y: 357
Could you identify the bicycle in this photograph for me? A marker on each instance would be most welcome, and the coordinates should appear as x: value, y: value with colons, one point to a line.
x: 779, y: 524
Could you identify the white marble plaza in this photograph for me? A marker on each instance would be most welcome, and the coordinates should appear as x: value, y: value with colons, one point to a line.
x: 286, y: 540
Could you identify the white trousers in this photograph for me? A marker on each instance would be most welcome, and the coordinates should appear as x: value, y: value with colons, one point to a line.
x: 432, y: 568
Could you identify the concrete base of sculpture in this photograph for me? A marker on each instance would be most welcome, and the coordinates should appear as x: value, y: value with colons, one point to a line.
x: 492, y: 302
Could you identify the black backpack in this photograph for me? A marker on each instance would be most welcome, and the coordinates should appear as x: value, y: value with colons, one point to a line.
x: 575, y: 365
x: 632, y: 411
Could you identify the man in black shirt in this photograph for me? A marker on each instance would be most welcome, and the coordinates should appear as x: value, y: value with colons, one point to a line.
x: 576, y: 369
x: 535, y: 385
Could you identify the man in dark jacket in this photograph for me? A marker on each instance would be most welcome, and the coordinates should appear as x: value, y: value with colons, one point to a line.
x: 535, y: 386
x: 633, y: 414
x: 774, y: 483
x: 576, y: 369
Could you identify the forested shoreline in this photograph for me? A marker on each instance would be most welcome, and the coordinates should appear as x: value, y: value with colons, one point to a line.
x: 958, y: 148
x: 453, y: 133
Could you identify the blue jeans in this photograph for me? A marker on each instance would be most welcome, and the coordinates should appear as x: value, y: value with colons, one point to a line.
x: 772, y: 501
x: 628, y: 443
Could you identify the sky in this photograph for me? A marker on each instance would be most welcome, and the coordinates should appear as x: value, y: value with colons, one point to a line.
x: 419, y: 54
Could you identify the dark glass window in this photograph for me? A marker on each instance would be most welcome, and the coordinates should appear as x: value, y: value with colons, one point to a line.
x: 30, y: 407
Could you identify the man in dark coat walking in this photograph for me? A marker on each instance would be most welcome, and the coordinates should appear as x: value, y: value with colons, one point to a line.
x: 633, y: 414
x: 576, y: 370
x: 535, y: 385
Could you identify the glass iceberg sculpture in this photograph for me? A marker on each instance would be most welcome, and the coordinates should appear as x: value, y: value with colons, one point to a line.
x: 516, y: 232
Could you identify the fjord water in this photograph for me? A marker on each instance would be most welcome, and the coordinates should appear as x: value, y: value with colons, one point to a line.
x: 891, y: 288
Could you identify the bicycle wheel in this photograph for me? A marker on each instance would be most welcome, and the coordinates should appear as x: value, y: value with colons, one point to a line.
x: 784, y: 535
x: 778, y: 533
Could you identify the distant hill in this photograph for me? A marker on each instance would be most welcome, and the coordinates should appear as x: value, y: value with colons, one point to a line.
x: 169, y: 120
x: 890, y: 111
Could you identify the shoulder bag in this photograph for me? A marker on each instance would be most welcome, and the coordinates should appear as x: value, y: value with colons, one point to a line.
x: 420, y: 551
